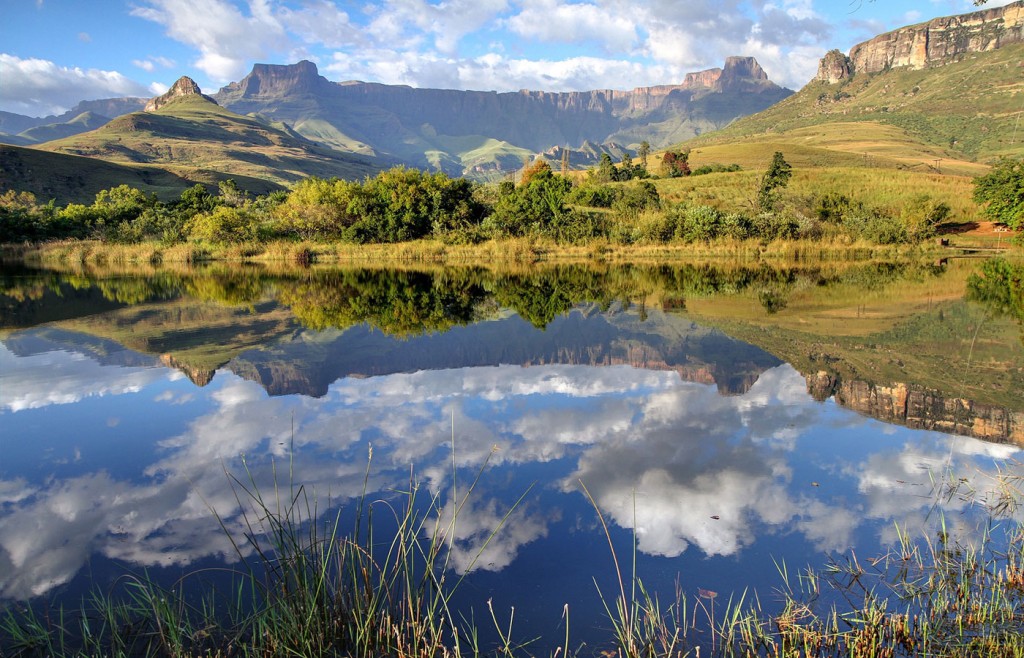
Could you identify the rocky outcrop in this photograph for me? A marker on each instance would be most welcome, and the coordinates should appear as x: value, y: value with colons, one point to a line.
x: 920, y: 408
x: 184, y: 86
x: 934, y: 42
x: 197, y: 375
x: 834, y: 67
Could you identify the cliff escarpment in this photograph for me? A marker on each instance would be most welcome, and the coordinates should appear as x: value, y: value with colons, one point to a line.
x: 471, y: 131
x: 920, y: 408
x: 937, y: 41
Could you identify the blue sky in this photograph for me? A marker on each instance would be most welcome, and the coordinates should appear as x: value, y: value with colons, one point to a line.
x: 54, y: 53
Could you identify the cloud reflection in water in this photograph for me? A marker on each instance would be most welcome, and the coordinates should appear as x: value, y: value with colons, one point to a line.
x: 677, y: 461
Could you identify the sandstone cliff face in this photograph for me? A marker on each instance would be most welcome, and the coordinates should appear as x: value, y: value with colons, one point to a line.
x: 184, y: 86
x: 920, y: 408
x: 934, y: 42
x: 401, y: 121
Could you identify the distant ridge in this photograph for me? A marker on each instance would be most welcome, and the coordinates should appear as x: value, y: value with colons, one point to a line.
x: 485, y: 133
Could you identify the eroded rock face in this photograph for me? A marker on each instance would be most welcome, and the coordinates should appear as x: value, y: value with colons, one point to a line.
x: 920, y: 408
x: 184, y: 86
x: 834, y: 67
x: 937, y: 41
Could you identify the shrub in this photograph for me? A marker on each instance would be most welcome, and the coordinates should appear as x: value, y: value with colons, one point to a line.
x: 697, y: 223
x: 637, y: 198
x: 594, y: 196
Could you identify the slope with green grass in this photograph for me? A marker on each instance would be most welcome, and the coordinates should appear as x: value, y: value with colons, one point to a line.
x: 76, y: 179
x: 964, y: 111
x: 191, y: 133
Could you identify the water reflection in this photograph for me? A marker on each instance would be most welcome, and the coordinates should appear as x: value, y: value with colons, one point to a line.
x: 712, y: 451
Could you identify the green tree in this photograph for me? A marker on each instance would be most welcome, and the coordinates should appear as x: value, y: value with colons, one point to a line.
x: 316, y: 208
x: 643, y: 152
x: 776, y: 178
x: 1002, y: 193
x: 605, y: 172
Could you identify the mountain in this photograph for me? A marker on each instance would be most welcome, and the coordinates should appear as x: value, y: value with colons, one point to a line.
x: 187, y: 133
x: 21, y: 130
x: 937, y: 96
x: 480, y: 133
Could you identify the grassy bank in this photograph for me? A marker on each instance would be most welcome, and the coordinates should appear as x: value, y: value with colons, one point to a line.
x: 512, y: 250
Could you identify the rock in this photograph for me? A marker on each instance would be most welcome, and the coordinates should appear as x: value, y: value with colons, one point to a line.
x: 185, y: 86
x: 834, y: 67
x: 932, y: 43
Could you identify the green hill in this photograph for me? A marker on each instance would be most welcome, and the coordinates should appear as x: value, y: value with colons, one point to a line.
x: 75, y: 179
x: 942, y: 118
x: 189, y: 133
x: 84, y: 122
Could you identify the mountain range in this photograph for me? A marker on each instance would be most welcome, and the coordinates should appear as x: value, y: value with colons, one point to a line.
x: 479, y: 134
x: 947, y: 90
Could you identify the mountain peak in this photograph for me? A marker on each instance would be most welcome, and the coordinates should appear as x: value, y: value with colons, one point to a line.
x: 269, y: 80
x: 184, y: 86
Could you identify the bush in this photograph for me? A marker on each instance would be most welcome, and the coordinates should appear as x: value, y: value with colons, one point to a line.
x: 715, y: 168
x: 637, y: 198
x: 224, y: 224
x: 594, y: 196
x: 696, y: 223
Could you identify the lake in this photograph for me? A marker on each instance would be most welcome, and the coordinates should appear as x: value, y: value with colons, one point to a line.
x: 730, y: 424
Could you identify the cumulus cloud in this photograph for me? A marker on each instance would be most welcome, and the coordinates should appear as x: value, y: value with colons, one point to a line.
x: 38, y: 87
x: 56, y: 378
x: 228, y: 41
x: 496, y: 44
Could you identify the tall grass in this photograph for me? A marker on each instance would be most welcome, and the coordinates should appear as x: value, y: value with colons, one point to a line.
x: 312, y: 588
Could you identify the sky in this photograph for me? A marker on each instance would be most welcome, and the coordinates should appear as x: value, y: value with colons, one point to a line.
x: 55, y: 53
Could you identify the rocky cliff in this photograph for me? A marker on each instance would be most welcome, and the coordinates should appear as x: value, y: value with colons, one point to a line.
x: 919, y: 408
x: 407, y: 123
x: 184, y: 86
x: 925, y: 44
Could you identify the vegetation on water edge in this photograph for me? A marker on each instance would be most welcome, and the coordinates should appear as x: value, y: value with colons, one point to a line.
x: 621, y: 207
x: 308, y: 587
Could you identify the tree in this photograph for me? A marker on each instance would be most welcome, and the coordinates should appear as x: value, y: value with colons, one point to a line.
x: 606, y: 172
x: 643, y: 152
x: 675, y: 164
x: 1002, y: 192
x: 777, y: 177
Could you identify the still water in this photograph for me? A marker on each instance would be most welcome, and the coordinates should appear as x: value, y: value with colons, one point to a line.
x: 725, y: 421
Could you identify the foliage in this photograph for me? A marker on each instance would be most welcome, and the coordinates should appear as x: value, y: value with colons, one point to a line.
x: 1000, y: 287
x: 594, y: 196
x: 223, y: 224
x: 316, y: 209
x: 538, y: 207
x: 715, y: 168
x: 637, y: 198
x: 1002, y: 193
x: 675, y: 164
x: 776, y: 177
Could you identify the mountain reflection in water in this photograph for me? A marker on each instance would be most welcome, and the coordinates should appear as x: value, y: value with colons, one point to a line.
x: 120, y: 425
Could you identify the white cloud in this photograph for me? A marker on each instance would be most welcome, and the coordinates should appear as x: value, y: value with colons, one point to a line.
x: 57, y: 378
x: 562, y: 22
x: 227, y: 40
x: 38, y: 87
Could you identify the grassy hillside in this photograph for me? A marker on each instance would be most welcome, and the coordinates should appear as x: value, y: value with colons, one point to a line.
x: 964, y: 111
x: 84, y: 122
x: 70, y: 178
x: 191, y: 134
